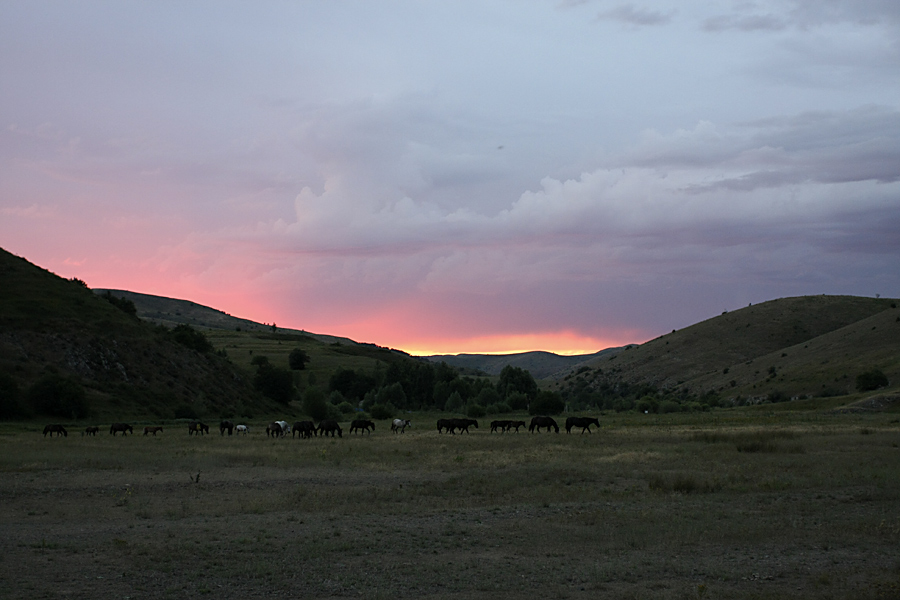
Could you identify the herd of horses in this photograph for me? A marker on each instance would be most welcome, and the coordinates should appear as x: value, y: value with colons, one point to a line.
x: 330, y: 427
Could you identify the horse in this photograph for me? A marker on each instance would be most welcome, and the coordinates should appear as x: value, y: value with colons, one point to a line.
x: 500, y: 425
x: 362, y: 425
x: 583, y: 422
x: 462, y: 424
x: 515, y: 424
x: 123, y: 427
x: 198, y: 428
x: 330, y: 426
x: 92, y: 430
x: 152, y: 430
x: 444, y: 424
x: 57, y: 429
x: 285, y: 428
x: 274, y: 430
x: 225, y: 425
x: 305, y: 429
x: 241, y: 429
x: 539, y: 422
x: 400, y: 425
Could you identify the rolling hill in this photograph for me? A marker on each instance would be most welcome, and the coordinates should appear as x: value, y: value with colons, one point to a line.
x: 540, y: 364
x: 795, y: 347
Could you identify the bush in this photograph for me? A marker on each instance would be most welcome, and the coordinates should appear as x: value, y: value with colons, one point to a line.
x: 382, y: 411
x: 871, y: 380
x: 297, y: 359
x: 517, y: 400
x: 669, y: 406
x: 547, y: 403
x: 647, y: 404
x: 314, y: 404
x: 498, y: 409
x: 454, y: 403
x: 191, y: 338
x: 475, y: 411
x: 345, y: 407
x: 57, y: 396
x: 274, y: 383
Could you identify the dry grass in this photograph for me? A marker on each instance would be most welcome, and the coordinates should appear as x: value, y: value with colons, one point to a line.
x: 642, y: 509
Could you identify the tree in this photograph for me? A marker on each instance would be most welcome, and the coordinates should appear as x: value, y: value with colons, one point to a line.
x: 546, y: 403
x: 871, y: 380
x: 10, y: 408
x: 314, y: 404
x: 188, y: 336
x: 274, y: 383
x: 297, y: 359
x: 58, y: 396
x: 515, y: 379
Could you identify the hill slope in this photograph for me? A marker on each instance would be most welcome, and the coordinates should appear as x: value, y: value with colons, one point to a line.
x: 805, y: 346
x: 540, y: 364
x: 50, y: 326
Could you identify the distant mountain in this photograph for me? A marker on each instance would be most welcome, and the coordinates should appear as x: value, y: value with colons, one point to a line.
x: 53, y: 329
x: 540, y: 364
x: 803, y: 346
x: 171, y: 312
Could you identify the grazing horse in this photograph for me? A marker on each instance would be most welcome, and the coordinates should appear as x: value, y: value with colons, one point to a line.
x: 444, y: 424
x: 462, y: 424
x: 539, y: 422
x: 285, y: 428
x: 57, y: 429
x: 305, y: 429
x: 330, y: 426
x: 400, y: 425
x: 198, y: 428
x: 515, y: 424
x: 583, y: 422
x: 92, y: 430
x: 362, y: 425
x: 225, y: 425
x: 241, y: 429
x: 123, y: 427
x: 152, y: 430
x: 274, y: 430
x: 500, y: 426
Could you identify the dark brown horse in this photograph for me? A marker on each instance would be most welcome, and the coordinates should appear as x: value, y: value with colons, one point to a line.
x: 583, y: 422
x: 500, y: 426
x: 57, y: 429
x: 198, y: 428
x: 462, y: 424
x: 226, y: 425
x: 120, y: 427
x: 362, y: 426
x: 444, y: 424
x: 92, y: 430
x: 515, y: 424
x: 274, y: 430
x: 330, y: 426
x: 539, y: 422
x: 153, y: 429
x: 305, y: 429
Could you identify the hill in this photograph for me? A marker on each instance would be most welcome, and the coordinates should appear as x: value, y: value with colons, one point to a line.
x: 540, y: 364
x: 792, y: 347
x: 56, y: 332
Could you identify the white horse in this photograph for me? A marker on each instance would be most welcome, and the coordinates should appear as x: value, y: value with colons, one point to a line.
x: 400, y: 425
x: 285, y: 428
x: 241, y: 429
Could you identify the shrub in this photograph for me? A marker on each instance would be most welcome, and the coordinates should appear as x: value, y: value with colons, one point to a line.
x: 647, y: 404
x: 191, y: 338
x: 57, y: 396
x: 669, y: 406
x: 454, y: 403
x: 314, y: 404
x: 517, y: 401
x: 345, y: 407
x: 382, y: 411
x: 475, y: 411
x: 123, y: 304
x: 297, y: 359
x: 497, y: 409
x: 547, y: 403
x: 274, y: 383
x: 871, y: 380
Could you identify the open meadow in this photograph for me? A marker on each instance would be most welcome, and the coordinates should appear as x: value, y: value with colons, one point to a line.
x: 729, y: 504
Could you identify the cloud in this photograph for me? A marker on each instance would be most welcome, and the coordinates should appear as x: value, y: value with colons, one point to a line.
x: 635, y: 16
x: 805, y: 15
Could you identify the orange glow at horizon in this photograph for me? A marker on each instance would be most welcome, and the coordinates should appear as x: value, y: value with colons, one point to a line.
x: 563, y: 343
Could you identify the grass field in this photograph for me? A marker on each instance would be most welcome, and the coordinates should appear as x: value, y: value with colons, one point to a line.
x: 730, y: 504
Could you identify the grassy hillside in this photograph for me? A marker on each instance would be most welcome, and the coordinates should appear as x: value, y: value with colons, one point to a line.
x: 55, y: 329
x: 540, y: 364
x: 805, y: 346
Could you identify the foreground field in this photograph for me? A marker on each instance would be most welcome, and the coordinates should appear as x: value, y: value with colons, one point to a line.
x: 734, y: 505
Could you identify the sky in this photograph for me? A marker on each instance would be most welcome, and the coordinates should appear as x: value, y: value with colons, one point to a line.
x: 457, y: 176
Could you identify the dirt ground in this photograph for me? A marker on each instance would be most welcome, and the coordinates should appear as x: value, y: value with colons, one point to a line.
x: 624, y: 513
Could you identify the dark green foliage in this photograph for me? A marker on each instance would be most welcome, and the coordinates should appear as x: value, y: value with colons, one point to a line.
x: 871, y: 380
x: 352, y: 384
x: 547, y: 403
x: 185, y: 411
x: 454, y: 403
x: 123, y: 304
x: 10, y: 396
x: 647, y: 404
x: 392, y: 395
x: 260, y: 360
x: 297, y: 359
x: 382, y: 411
x: 345, y: 407
x: 191, y: 338
x: 58, y: 396
x: 497, y: 409
x: 488, y: 395
x: 314, y: 404
x: 515, y: 379
x: 476, y: 411
x: 274, y: 383
x: 517, y: 401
